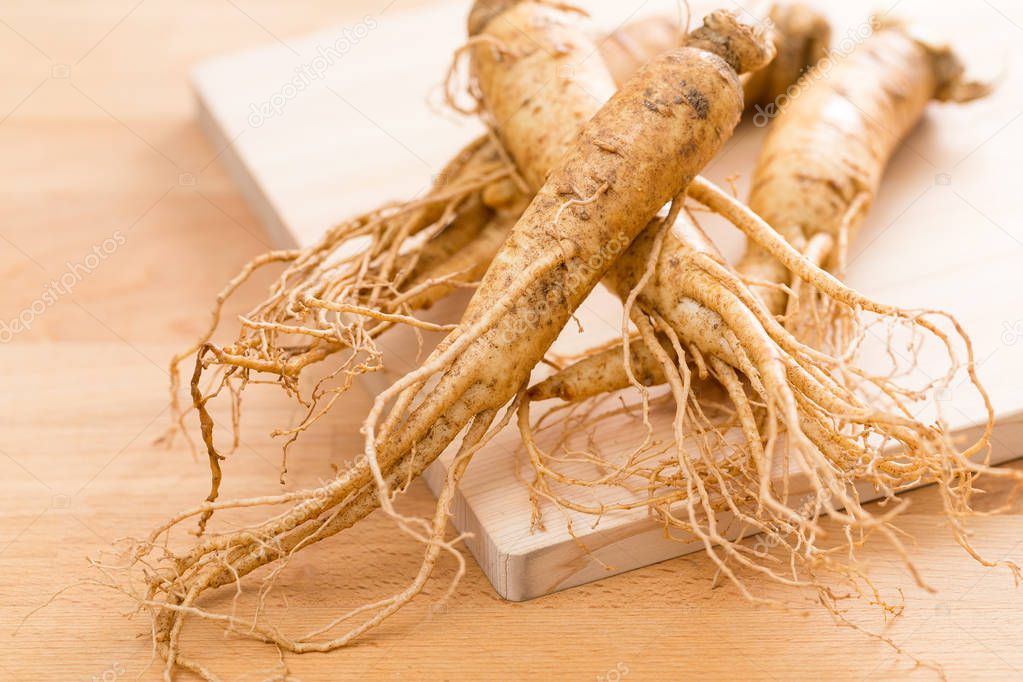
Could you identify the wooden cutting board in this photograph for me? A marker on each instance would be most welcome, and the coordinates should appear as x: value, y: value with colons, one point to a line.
x: 316, y: 129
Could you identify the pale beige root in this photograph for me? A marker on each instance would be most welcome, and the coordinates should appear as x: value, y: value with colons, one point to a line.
x: 549, y: 102
x: 458, y: 259
x: 384, y: 275
x: 544, y: 66
x: 562, y: 91
x: 343, y: 301
x: 836, y: 438
x: 460, y: 268
x: 340, y: 294
x: 375, y: 270
x: 602, y: 372
x: 726, y: 330
x: 801, y: 36
x: 841, y: 424
x: 473, y: 215
x: 325, y: 304
x: 541, y: 85
x: 482, y: 13
x: 799, y: 32
x: 825, y: 153
x: 688, y: 100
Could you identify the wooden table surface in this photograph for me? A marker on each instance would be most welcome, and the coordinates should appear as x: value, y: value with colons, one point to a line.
x: 105, y: 175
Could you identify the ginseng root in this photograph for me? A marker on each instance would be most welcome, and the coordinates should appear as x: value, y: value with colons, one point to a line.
x: 622, y: 168
x: 376, y: 270
x: 801, y: 36
x: 860, y: 110
x: 798, y: 408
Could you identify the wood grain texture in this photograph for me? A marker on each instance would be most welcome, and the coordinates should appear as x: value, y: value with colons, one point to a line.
x: 84, y: 396
x: 97, y: 476
x: 286, y: 156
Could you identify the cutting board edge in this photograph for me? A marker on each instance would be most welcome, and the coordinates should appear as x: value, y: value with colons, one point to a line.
x: 526, y: 574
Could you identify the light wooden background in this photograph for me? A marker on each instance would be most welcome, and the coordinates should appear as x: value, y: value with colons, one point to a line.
x: 99, y: 142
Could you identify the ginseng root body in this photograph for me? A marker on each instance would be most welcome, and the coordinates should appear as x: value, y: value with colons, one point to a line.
x: 635, y: 154
x: 798, y: 407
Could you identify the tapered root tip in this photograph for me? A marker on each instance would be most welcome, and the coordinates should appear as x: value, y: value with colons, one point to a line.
x: 745, y: 47
x: 545, y: 390
x: 952, y: 84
